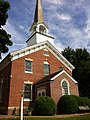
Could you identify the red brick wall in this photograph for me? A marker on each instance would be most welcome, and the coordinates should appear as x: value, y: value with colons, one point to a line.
x: 6, y: 72
x: 56, y: 89
x: 19, y: 75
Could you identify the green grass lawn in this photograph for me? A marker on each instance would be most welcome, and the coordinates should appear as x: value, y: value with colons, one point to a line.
x: 81, y: 117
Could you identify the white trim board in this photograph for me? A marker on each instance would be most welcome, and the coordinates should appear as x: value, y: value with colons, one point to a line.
x: 66, y: 74
x: 28, y: 50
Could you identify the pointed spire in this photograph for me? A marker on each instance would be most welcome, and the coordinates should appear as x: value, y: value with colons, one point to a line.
x: 38, y: 17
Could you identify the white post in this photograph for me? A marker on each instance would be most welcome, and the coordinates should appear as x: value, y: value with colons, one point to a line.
x: 21, y: 104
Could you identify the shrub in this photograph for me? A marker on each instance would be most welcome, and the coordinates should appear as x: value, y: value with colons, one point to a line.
x: 86, y: 101
x: 44, y: 106
x: 80, y: 100
x: 67, y: 105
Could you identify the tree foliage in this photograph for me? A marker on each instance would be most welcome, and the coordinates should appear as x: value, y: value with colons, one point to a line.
x: 80, y: 58
x: 4, y: 36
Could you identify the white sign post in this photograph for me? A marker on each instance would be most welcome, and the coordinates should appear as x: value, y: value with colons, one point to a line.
x: 22, y: 104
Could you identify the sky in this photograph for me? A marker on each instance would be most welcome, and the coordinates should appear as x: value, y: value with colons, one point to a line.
x: 68, y: 22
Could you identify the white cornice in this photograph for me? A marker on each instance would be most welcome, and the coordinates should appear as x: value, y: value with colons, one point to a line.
x: 31, y: 49
x: 28, y: 50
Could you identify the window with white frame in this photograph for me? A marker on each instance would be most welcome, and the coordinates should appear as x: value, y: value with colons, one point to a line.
x: 65, y: 87
x: 27, y: 92
x: 41, y: 92
x: 28, y: 66
x: 46, y: 68
x: 45, y: 53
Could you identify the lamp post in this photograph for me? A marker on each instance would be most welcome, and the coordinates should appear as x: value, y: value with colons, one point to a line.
x: 22, y: 92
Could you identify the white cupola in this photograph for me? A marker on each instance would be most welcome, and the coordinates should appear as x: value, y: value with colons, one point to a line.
x: 39, y: 30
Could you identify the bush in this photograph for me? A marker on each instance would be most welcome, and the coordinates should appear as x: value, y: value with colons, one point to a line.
x: 67, y: 105
x: 44, y: 106
x: 86, y: 101
x: 82, y: 101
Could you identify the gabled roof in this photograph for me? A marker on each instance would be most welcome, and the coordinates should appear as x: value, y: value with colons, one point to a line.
x: 47, y: 78
x: 61, y: 72
x: 53, y: 76
x: 46, y: 44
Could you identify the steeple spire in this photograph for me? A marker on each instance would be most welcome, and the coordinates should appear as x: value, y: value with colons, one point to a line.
x: 39, y: 30
x: 38, y: 17
x: 38, y: 23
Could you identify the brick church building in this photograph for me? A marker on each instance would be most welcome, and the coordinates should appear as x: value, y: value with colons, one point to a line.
x: 39, y: 69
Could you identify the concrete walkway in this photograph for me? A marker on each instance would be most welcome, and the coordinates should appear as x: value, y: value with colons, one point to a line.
x: 55, y: 116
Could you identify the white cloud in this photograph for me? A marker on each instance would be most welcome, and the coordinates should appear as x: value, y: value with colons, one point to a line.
x: 59, y: 46
x: 87, y: 30
x: 17, y: 38
x: 64, y: 17
x: 73, y: 37
x: 56, y: 2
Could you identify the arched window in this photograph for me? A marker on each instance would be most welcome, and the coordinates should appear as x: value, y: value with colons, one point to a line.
x: 65, y: 87
x: 42, y: 29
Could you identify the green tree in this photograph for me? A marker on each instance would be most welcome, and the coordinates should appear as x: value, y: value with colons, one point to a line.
x: 4, y: 36
x: 69, y: 54
x: 80, y: 58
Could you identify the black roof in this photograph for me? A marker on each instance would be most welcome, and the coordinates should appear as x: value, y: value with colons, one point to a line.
x: 47, y: 78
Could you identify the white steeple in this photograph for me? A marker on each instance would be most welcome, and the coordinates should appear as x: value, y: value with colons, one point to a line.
x: 39, y: 30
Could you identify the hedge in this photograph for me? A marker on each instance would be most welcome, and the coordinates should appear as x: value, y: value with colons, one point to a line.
x: 82, y: 101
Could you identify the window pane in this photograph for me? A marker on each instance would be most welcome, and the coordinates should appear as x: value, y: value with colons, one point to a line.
x: 46, y: 69
x: 27, y: 91
x: 28, y: 66
x: 65, y: 88
x: 41, y: 92
x: 46, y: 53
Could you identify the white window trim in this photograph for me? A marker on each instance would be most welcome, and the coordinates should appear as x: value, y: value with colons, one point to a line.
x: 68, y: 86
x: 31, y: 83
x: 26, y: 71
x: 46, y: 49
x: 44, y: 53
x: 46, y: 62
x: 28, y: 59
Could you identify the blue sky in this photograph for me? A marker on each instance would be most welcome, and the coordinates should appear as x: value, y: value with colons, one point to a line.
x: 68, y: 22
